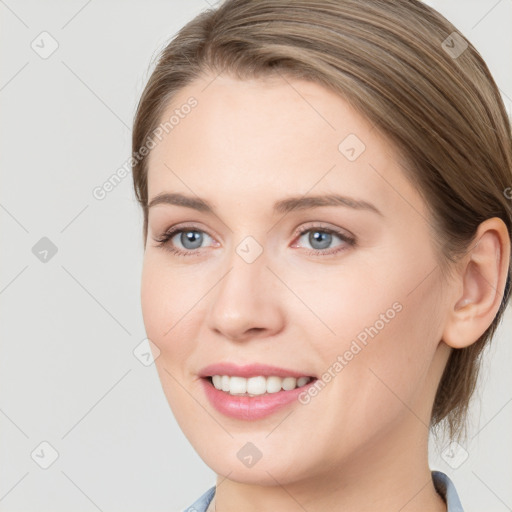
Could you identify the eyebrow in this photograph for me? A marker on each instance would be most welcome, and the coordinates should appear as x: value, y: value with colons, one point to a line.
x: 282, y: 206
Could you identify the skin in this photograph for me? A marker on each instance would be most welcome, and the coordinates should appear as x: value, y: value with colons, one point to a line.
x: 361, y: 443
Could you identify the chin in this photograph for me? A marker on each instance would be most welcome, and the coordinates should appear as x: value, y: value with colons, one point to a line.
x: 259, y: 463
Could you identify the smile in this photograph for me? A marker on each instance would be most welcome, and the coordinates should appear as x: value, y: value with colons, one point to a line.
x: 252, y: 392
x: 255, y: 386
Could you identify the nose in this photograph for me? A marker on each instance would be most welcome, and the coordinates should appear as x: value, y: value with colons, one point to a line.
x: 246, y: 303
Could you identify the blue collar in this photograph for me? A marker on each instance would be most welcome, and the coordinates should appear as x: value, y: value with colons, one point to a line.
x: 442, y: 483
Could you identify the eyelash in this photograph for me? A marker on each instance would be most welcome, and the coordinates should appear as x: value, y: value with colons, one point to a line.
x: 162, y: 241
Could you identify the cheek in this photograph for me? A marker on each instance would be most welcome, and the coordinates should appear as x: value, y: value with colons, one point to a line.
x: 169, y: 300
x: 386, y: 319
x: 384, y: 355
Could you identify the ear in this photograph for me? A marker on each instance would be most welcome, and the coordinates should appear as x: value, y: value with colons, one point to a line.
x: 480, y: 285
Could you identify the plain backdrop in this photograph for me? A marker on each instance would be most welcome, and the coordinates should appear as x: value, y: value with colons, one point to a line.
x: 73, y: 395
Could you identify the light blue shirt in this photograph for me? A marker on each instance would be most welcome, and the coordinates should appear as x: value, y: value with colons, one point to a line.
x: 442, y: 483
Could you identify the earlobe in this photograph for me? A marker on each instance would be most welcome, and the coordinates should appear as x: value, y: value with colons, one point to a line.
x: 482, y: 277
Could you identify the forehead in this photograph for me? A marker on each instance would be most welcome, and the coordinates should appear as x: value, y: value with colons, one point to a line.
x: 252, y: 138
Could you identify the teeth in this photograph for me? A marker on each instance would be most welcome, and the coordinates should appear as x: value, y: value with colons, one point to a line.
x: 217, y: 381
x: 237, y: 385
x: 256, y: 385
x: 301, y: 381
x: 224, y: 383
x: 274, y: 384
x: 289, y: 383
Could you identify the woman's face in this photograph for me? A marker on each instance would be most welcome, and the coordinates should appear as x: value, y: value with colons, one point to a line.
x: 283, y: 284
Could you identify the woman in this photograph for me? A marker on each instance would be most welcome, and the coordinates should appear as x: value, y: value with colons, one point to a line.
x: 327, y: 246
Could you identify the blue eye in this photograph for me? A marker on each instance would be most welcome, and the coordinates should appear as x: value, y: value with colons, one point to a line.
x: 191, y: 239
x: 321, y: 239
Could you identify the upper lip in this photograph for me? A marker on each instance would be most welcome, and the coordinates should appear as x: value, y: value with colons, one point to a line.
x: 249, y: 370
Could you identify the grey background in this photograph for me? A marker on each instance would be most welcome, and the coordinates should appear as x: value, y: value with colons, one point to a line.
x: 69, y: 325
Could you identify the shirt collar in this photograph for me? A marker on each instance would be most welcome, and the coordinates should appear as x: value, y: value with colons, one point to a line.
x: 442, y: 483
x: 444, y: 486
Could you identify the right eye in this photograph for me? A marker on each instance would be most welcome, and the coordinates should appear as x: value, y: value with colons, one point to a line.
x: 190, y: 238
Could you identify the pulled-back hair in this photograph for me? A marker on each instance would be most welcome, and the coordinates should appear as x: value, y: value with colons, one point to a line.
x: 405, y: 68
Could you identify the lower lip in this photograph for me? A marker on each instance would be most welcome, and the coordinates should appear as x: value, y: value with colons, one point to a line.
x: 250, y: 407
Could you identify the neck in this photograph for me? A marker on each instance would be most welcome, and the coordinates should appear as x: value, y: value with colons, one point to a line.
x: 386, y: 475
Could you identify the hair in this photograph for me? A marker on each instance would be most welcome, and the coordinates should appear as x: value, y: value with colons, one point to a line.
x: 391, y: 61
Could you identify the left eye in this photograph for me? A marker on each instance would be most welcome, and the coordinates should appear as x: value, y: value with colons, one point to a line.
x: 321, y: 239
x: 192, y: 239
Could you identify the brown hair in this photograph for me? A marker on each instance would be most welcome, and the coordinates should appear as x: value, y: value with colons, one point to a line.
x: 398, y: 64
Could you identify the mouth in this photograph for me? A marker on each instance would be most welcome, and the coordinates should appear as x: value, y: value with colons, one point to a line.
x: 256, y: 386
x: 252, y: 392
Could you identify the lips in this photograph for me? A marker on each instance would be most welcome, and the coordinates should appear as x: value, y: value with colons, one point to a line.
x: 254, y: 391
x: 249, y: 370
